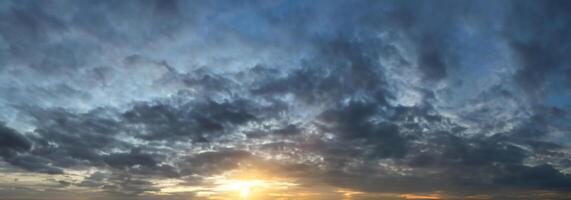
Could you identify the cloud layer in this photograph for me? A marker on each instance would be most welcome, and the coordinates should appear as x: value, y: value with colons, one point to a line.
x: 386, y: 99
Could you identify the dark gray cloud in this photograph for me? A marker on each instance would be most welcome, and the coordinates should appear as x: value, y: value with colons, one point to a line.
x: 200, y: 121
x: 540, y: 49
x: 121, y: 99
x: 355, y: 123
x: 215, y: 162
x: 11, y: 140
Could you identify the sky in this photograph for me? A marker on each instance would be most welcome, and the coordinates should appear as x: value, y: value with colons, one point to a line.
x: 285, y: 100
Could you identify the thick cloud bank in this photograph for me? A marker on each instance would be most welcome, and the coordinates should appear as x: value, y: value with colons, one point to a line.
x: 387, y: 99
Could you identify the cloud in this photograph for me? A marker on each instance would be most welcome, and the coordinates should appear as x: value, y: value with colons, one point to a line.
x: 11, y: 140
x: 122, y: 99
x: 198, y: 121
x: 412, y: 196
x: 215, y: 162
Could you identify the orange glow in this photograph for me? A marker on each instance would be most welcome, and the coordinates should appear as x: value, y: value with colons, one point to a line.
x: 258, y: 184
x: 349, y: 194
x: 244, y: 188
x: 413, y: 196
x: 246, y: 184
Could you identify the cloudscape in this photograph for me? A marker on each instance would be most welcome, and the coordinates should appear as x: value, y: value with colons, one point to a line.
x: 285, y: 99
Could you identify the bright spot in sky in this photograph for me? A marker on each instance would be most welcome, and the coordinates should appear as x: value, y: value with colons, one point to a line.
x: 245, y: 191
x: 244, y: 187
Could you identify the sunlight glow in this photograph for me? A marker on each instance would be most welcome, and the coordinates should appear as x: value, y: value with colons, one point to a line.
x: 413, y: 196
x: 236, y: 185
x: 243, y: 187
x: 245, y: 191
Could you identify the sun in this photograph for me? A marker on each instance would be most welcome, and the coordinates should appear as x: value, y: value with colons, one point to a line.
x: 244, y: 190
x: 246, y: 185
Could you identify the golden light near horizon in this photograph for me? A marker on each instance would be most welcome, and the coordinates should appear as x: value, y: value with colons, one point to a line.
x: 242, y: 184
x: 244, y: 188
x: 249, y: 183
x: 261, y: 185
x: 244, y: 192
